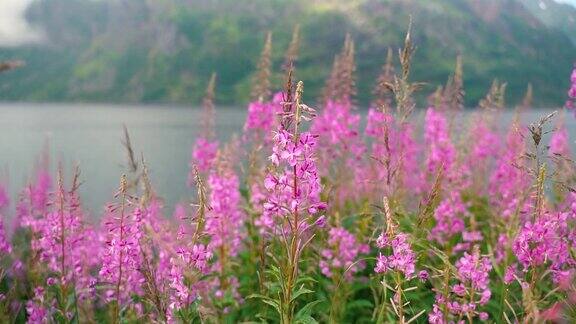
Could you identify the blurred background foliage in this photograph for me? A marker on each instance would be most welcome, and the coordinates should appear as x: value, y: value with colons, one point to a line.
x: 165, y: 50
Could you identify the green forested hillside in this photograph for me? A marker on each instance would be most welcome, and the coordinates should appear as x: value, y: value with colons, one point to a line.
x: 164, y: 51
x: 561, y: 17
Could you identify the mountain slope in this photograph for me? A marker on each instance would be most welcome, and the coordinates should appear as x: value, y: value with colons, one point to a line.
x: 164, y: 51
x: 559, y: 16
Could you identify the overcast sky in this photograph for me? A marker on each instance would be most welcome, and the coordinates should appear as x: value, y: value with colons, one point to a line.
x: 572, y: 2
x: 14, y: 30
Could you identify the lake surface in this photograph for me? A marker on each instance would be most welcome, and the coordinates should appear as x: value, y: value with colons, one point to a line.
x: 91, y: 136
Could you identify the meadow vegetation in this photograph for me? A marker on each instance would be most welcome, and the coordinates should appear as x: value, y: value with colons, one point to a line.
x: 307, y: 216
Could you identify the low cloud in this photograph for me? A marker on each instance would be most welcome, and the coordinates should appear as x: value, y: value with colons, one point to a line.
x: 572, y: 2
x: 14, y: 29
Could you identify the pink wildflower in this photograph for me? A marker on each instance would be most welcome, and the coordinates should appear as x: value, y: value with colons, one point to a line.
x: 508, y: 182
x: 189, y: 259
x: 35, y: 308
x: 293, y: 155
x: 262, y: 118
x: 4, y: 199
x: 225, y: 220
x: 203, y: 155
x: 394, y: 151
x: 485, y: 142
x: 401, y: 259
x: 5, y: 246
x: 436, y: 316
x: 546, y: 241
x: 342, y: 254
x: 474, y: 270
x: 423, y: 275
x: 341, y: 146
x: 442, y: 153
x: 449, y: 216
x: 33, y: 201
x: 571, y: 103
x: 559, y: 144
x: 472, y: 291
x: 121, y: 259
x: 510, y: 275
x: 64, y: 221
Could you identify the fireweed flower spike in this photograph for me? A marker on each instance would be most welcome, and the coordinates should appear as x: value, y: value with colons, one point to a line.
x: 547, y: 242
x: 33, y: 200
x: 293, y: 203
x: 121, y: 258
x: 469, y: 293
x: 559, y: 142
x: 401, y: 262
x: 156, y: 246
x: 5, y: 246
x: 261, y: 120
x: 59, y: 239
x: 560, y: 153
x: 342, y: 255
x: 224, y: 222
x: 191, y: 258
x: 394, y: 151
x: 339, y: 144
x: 571, y: 103
x: 262, y: 110
x: 442, y: 153
x: 449, y: 216
x: 52, y: 238
x: 206, y: 145
x: 340, y: 261
x: 508, y: 181
x: 295, y: 185
x: 402, y: 258
x: 484, y: 148
x: 36, y: 308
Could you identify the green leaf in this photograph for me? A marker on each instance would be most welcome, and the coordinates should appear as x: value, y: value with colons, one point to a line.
x: 59, y: 317
x: 306, y: 320
x: 303, y: 279
x: 258, y: 296
x: 275, y: 272
x: 274, y: 304
x: 267, y: 300
x: 307, y: 309
x: 300, y: 292
x: 360, y: 303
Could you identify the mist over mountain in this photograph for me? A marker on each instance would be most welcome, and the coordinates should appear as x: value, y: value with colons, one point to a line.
x: 165, y: 51
x: 555, y: 15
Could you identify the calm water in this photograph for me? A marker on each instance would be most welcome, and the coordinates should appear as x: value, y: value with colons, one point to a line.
x: 91, y: 135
